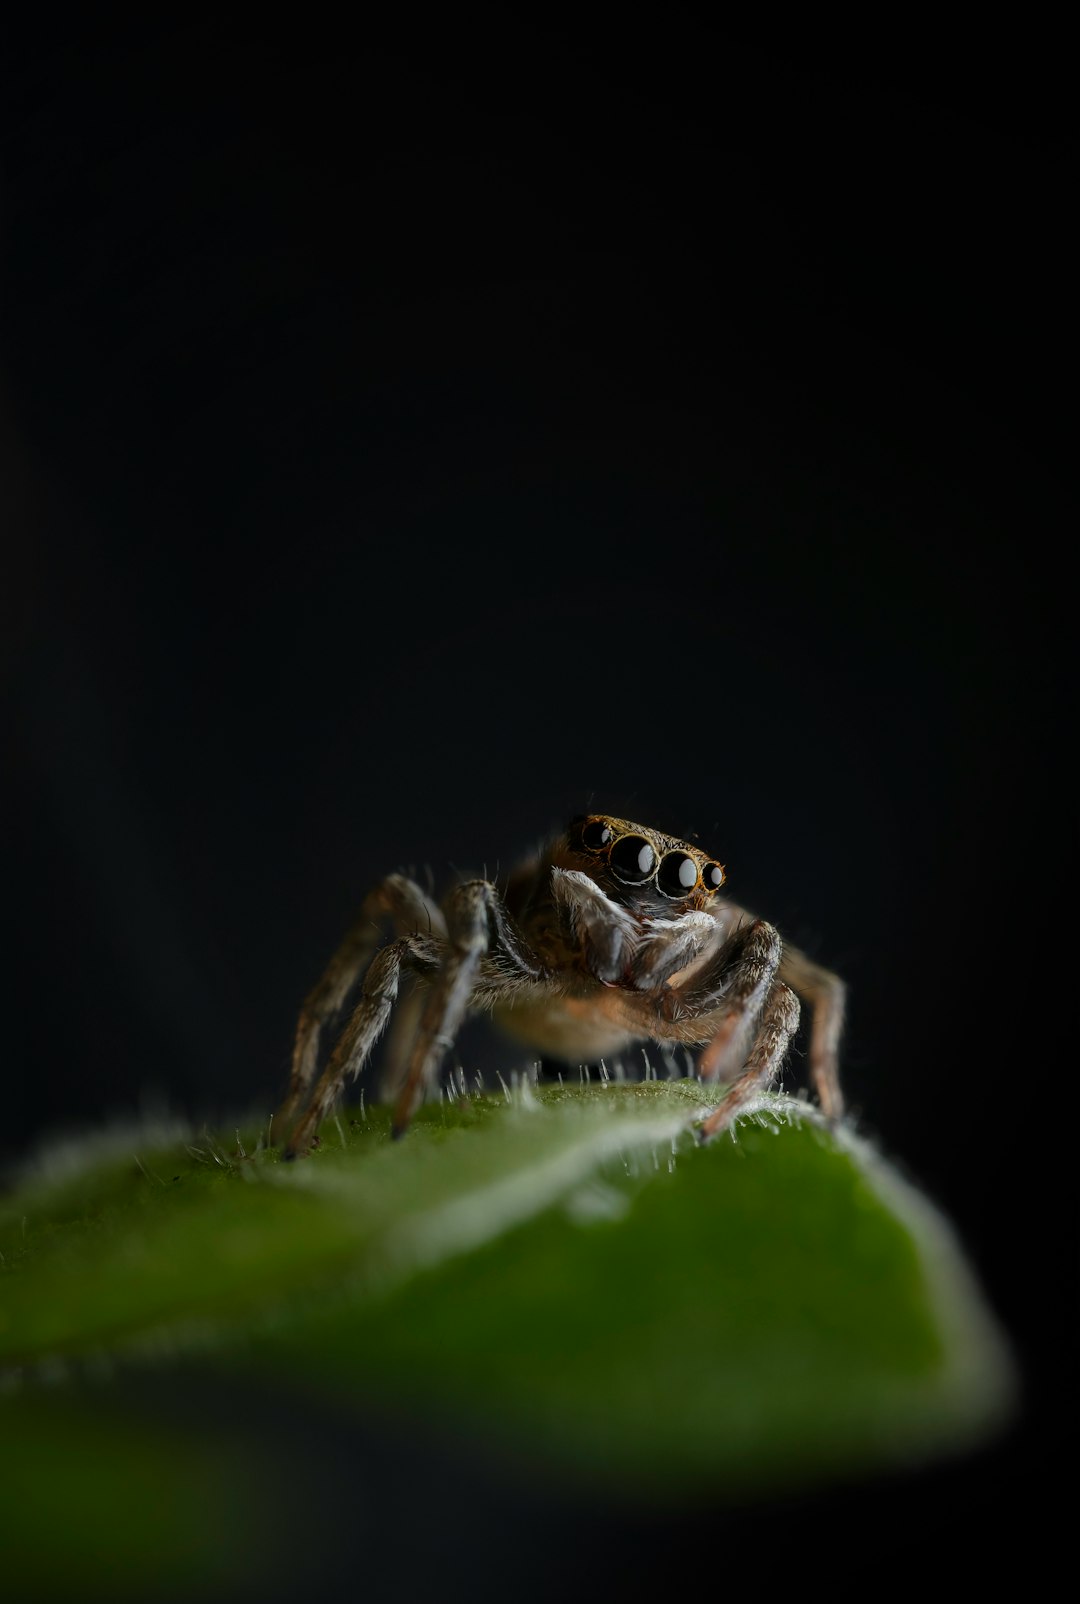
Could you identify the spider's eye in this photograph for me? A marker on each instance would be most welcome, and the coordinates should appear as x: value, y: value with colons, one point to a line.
x: 677, y: 875
x: 597, y: 835
x: 633, y: 860
x: 713, y: 877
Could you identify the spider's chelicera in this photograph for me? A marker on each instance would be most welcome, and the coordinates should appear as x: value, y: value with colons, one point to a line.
x: 613, y: 935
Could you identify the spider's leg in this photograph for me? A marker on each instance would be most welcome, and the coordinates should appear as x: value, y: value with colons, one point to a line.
x: 824, y: 991
x: 396, y: 897
x: 779, y: 1022
x: 399, y: 1039
x: 733, y: 986
x: 418, y: 953
x: 478, y: 927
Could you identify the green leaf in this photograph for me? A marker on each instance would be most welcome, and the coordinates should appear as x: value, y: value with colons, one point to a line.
x: 567, y: 1270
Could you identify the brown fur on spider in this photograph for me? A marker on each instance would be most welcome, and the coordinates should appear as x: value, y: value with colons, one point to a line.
x: 615, y: 934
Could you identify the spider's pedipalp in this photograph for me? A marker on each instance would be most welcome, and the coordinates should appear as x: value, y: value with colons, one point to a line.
x: 607, y: 932
x: 669, y: 945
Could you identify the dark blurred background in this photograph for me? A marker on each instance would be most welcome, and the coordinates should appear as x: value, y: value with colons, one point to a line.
x: 408, y: 445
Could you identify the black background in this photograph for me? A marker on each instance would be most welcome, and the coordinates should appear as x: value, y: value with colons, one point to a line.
x: 407, y: 445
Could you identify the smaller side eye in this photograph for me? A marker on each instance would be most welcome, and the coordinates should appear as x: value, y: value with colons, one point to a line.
x: 677, y: 875
x: 597, y: 835
x: 713, y: 877
x: 633, y: 860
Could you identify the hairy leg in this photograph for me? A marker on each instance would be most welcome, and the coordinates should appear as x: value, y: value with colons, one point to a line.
x: 825, y: 993
x: 479, y: 928
x: 418, y: 953
x: 734, y: 985
x: 396, y: 898
x: 400, y: 1035
x: 779, y: 1022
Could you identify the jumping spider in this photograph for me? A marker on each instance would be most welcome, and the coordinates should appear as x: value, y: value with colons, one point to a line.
x: 615, y: 934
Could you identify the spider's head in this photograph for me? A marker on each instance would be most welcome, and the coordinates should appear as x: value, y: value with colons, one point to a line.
x: 640, y: 867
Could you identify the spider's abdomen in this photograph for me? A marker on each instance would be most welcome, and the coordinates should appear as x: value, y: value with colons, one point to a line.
x: 573, y: 1030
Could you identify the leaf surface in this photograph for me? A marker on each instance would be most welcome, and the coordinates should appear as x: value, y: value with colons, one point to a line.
x: 565, y: 1272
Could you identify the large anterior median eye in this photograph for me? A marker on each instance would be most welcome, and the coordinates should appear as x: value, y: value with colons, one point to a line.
x: 597, y: 835
x: 633, y: 860
x: 677, y: 875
